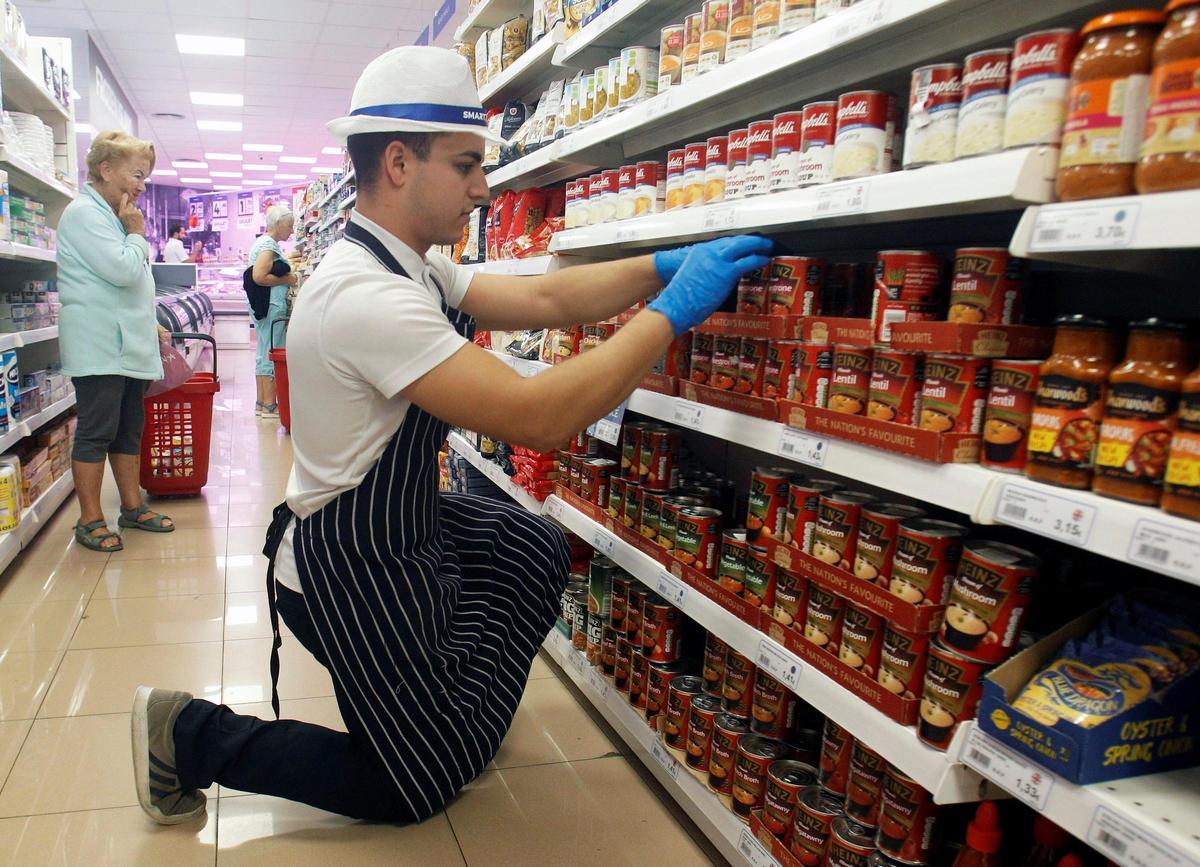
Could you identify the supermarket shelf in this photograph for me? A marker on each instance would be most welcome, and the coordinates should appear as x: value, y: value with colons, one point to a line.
x: 34, y: 519
x: 25, y: 91
x: 516, y: 267
x: 717, y: 823
x: 1140, y: 821
x: 333, y: 218
x: 629, y: 22
x: 29, y: 426
x: 17, y: 339
x: 872, y: 39
x: 487, y: 15
x: 28, y: 178
x: 995, y: 182
x: 337, y: 188
x: 529, y: 75
x: 493, y: 472
x: 948, y: 780
x: 1131, y: 233
x: 348, y: 202
x: 26, y: 253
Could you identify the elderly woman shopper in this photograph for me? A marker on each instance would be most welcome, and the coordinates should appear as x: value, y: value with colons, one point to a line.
x: 270, y: 331
x: 108, y: 333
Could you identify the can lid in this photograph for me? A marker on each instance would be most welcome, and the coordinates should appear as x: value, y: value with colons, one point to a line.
x: 1078, y: 320
x: 1154, y: 323
x: 1179, y: 4
x: 1124, y: 18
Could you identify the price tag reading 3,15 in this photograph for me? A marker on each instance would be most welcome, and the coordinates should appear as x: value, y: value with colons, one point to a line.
x: 802, y: 447
x: 1008, y: 770
x: 779, y: 664
x: 1126, y: 843
x: 672, y: 589
x: 663, y: 756
x: 603, y: 541
x: 1084, y: 227
x: 1048, y: 514
x: 755, y: 852
x: 688, y: 414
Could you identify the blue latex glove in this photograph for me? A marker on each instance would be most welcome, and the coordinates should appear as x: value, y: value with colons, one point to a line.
x: 708, y: 274
x: 668, y: 262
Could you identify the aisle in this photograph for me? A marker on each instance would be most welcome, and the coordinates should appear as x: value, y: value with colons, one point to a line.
x: 79, y: 631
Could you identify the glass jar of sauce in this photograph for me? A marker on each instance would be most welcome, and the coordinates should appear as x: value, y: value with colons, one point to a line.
x: 1139, y: 412
x: 1181, y: 487
x: 1069, y: 404
x: 1170, y: 152
x: 1106, y: 109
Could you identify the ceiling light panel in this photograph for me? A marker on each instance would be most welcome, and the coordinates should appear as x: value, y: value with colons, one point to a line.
x: 259, y: 167
x: 290, y: 177
x: 214, y: 46
x: 263, y: 148
x: 223, y: 158
x: 226, y: 174
x: 165, y: 172
x: 233, y: 100
x: 219, y: 125
x: 331, y: 151
x: 189, y: 164
x: 303, y: 161
x: 195, y: 180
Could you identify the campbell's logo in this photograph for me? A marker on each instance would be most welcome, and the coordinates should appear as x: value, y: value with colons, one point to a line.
x: 994, y: 73
x: 675, y: 164
x: 738, y: 139
x: 715, y: 152
x: 760, y: 136
x: 787, y: 127
x: 853, y: 110
x: 821, y: 120
x: 944, y: 87
x: 693, y: 159
x: 1045, y: 55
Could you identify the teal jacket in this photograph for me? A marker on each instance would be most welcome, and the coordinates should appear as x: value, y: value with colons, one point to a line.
x: 108, y: 323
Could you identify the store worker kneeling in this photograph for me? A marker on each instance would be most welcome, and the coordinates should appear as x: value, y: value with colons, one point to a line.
x: 427, y: 608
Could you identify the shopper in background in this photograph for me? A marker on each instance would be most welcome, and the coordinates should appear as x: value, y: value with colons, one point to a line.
x: 108, y: 332
x: 427, y: 608
x: 174, y: 252
x: 271, y: 332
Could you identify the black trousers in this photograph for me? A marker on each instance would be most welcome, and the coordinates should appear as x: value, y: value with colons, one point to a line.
x: 330, y: 770
x: 111, y: 417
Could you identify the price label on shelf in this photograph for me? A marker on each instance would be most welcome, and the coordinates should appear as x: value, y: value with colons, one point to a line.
x: 554, y: 508
x: 578, y: 660
x: 597, y: 682
x: 859, y: 19
x: 1008, y: 770
x: 802, y: 446
x: 659, y: 105
x: 834, y: 200
x: 1084, y: 227
x: 755, y: 852
x: 719, y: 217
x: 625, y: 235
x: 1047, y: 514
x: 603, y: 541
x: 609, y: 427
x: 672, y: 589
x: 780, y: 664
x: 688, y: 414
x: 1172, y: 550
x: 1126, y: 843
x: 663, y: 756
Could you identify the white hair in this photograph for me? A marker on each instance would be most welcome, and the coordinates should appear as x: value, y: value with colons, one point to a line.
x: 277, y: 214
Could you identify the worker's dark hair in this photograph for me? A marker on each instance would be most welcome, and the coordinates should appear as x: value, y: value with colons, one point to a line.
x: 175, y: 227
x: 366, y: 152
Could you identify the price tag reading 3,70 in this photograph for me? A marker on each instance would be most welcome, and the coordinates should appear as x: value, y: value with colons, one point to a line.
x: 1008, y: 770
x: 1084, y: 227
x: 1048, y: 514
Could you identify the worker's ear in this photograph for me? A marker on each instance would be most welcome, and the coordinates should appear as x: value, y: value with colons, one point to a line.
x: 397, y: 161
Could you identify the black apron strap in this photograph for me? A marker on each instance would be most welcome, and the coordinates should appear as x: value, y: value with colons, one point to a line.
x: 280, y: 519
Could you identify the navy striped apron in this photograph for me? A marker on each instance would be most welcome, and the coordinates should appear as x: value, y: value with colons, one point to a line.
x: 430, y: 606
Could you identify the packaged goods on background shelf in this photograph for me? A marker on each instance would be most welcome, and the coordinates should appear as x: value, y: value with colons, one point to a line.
x: 27, y: 393
x: 28, y: 136
x: 28, y: 471
x: 519, y: 225
x: 34, y: 305
x: 535, y: 472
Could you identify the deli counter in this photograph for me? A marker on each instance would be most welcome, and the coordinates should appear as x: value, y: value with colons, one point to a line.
x: 183, y: 307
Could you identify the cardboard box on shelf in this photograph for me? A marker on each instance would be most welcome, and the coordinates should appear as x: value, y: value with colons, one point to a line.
x: 902, y: 439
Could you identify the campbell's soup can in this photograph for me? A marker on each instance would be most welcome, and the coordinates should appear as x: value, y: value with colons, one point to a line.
x: 741, y: 29
x: 796, y: 14
x: 823, y: 617
x: 639, y: 674
x: 658, y: 684
x: 984, y: 103
x: 755, y: 756
x: 794, y: 285
x: 731, y: 570
x: 670, y: 57
x: 735, y: 177
x: 851, y: 843
x: 766, y: 22
x: 818, y: 126
x: 902, y: 661
x: 833, y: 771
x: 716, y: 169
x: 850, y: 379
x: 906, y: 290
x: 716, y: 652
x: 674, y: 186
x: 804, y: 501
x: 700, y: 723
x: 813, y: 366
x: 895, y: 389
x: 1038, y: 85
x: 752, y: 294
x: 753, y: 366
x: 864, y: 137
x: 926, y: 559
x: 694, y: 156
x: 758, y: 158
x: 760, y: 578
x: 786, y: 781
x: 726, y: 362
x: 778, y: 370
x: 714, y: 34
x: 677, y: 362
x: 767, y: 512
x: 934, y: 99
x: 864, y: 785
x: 702, y: 350
x: 610, y: 181
x: 785, y: 150
x: 878, y: 531
x: 737, y: 688
x: 862, y: 639
x: 697, y: 539
x: 907, y: 819
x: 773, y: 708
x: 1007, y: 414
x: 987, y: 286
x: 815, y: 811
x: 680, y: 693
x: 571, y: 211
x: 954, y: 393
x: 836, y: 537
x: 949, y: 694
x: 650, y: 187
x: 728, y: 731
x: 626, y: 192
x: 989, y: 600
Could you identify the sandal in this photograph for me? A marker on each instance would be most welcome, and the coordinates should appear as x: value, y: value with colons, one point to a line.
x: 85, y: 536
x: 270, y: 410
x: 130, y: 520
x: 259, y: 406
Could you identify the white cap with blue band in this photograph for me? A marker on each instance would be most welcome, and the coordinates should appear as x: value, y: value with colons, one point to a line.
x: 415, y: 89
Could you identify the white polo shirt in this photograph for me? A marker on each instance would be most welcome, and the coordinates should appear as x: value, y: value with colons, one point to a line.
x: 359, y: 335
x: 174, y: 252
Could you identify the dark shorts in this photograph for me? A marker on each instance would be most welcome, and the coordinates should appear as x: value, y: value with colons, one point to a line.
x: 111, y: 417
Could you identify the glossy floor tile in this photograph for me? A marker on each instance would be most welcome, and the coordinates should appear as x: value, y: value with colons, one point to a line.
x: 79, y: 631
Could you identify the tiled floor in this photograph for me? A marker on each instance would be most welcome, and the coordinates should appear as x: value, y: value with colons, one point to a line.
x: 79, y: 630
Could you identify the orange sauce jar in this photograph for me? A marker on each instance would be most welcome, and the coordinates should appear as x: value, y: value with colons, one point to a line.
x: 1170, y: 152
x: 1181, y: 487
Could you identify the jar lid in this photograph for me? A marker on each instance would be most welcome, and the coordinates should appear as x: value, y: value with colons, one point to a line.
x: 1078, y: 320
x: 1126, y: 18
x: 1179, y: 4
x: 1154, y: 323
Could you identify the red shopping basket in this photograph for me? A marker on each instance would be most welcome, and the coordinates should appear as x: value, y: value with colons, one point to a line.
x: 279, y: 359
x: 178, y: 434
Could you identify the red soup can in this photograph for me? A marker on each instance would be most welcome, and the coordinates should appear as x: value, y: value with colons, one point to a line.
x: 608, y: 651
x: 1038, y: 87
x: 660, y: 447
x: 864, y: 785
x: 878, y: 529
x: 1007, y: 414
x: 753, y: 366
x: 794, y: 286
x: 716, y: 652
x: 785, y: 149
x: 727, y: 733
x: 616, y: 497
x: 755, y: 756
x: 760, y: 578
x: 694, y: 156
x: 987, y: 286
x: 791, y: 598
x: 731, y: 571
x: 815, y: 811
x: 633, y: 614
x: 817, y: 130
x: 639, y: 675
x: 850, y: 844
x: 658, y: 684
x: 773, y: 708
x: 702, y: 355
x: 907, y: 819
x: 895, y: 390
x: 926, y: 559
x: 786, y: 781
x: 862, y: 639
x: 726, y: 362
x: 716, y: 168
x: 985, y: 97
x: 838, y: 519
x: 906, y: 290
x: 778, y: 370
x: 954, y: 393
x: 833, y: 772
x: 624, y: 661
x: 823, y: 617
x: 752, y: 291
x: 767, y: 511
x: 674, y: 188
x: 902, y: 661
x: 662, y: 631
x: 680, y: 693
x: 631, y: 450
x: 620, y: 602
x: 701, y: 720
x: 758, y: 158
x: 949, y: 694
x: 698, y: 539
x: 989, y: 600
x: 813, y: 366
x: 865, y: 137
x: 737, y: 688
x: 850, y: 382
x: 735, y: 178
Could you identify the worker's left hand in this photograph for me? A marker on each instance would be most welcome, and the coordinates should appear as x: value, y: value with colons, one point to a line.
x: 667, y: 262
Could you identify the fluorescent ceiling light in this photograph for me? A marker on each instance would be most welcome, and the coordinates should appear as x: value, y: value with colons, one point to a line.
x: 290, y: 177
x: 222, y: 46
x: 226, y: 174
x: 225, y: 188
x: 263, y: 148
x: 195, y: 180
x: 200, y: 97
x: 170, y: 172
x: 327, y: 170
x: 301, y: 161
x: 260, y: 167
x: 220, y: 125
x: 331, y: 151
x: 253, y: 183
x: 224, y: 158
x: 189, y: 164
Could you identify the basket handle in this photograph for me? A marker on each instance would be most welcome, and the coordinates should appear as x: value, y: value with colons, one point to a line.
x: 192, y: 335
x: 285, y: 320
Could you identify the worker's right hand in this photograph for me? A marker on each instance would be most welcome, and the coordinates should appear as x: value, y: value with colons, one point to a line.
x: 707, y: 276
x: 291, y: 279
x: 131, y: 218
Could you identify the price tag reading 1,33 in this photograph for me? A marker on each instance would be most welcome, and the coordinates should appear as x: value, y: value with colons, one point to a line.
x: 663, y: 756
x: 1084, y: 227
x: 1008, y: 770
x: 672, y: 589
x: 802, y: 447
x: 688, y: 414
x: 866, y: 17
x: 1163, y: 548
x: 779, y: 664
x: 603, y: 542
x: 1126, y: 843
x: 836, y: 199
x: 756, y: 853
x: 1050, y: 515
